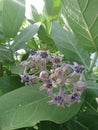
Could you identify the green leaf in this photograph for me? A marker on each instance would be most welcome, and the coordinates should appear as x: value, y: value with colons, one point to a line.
x: 44, y: 36
x: 8, y: 84
x: 82, y: 16
x: 53, y: 8
x: 89, y: 119
x: 27, y: 106
x: 16, y: 69
x: 92, y: 89
x: 50, y: 126
x: 1, y: 5
x: 68, y: 44
x: 75, y: 125
x: 6, y: 55
x: 13, y: 16
x: 25, y: 36
x: 35, y: 17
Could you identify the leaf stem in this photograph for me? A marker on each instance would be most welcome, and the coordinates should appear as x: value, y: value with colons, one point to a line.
x: 93, y: 62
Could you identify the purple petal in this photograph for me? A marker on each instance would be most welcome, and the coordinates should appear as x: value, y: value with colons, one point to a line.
x: 62, y: 91
x: 51, y: 94
x: 42, y: 87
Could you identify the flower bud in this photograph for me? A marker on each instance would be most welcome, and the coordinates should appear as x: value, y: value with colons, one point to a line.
x: 60, y: 81
x: 59, y: 72
x: 34, y: 79
x: 81, y: 85
x: 43, y: 75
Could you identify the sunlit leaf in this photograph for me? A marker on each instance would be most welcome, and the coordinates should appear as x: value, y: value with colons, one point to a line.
x: 25, y: 36
x: 52, y: 8
x: 82, y: 16
x: 6, y: 54
x: 13, y: 16
x: 68, y: 44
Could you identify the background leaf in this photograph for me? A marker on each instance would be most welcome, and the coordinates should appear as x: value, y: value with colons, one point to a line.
x: 34, y: 16
x: 27, y: 106
x: 13, y: 16
x: 68, y: 44
x: 8, y: 84
x: 82, y: 17
x: 25, y: 36
x: 6, y: 55
x: 52, y: 8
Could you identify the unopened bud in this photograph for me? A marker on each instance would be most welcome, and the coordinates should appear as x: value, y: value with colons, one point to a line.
x: 43, y: 75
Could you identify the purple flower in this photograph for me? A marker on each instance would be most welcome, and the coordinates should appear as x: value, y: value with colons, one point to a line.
x: 57, y: 99
x: 56, y: 60
x: 71, y: 99
x: 47, y: 85
x: 79, y: 69
x: 33, y: 52
x: 25, y: 78
x: 44, y: 54
x: 75, y: 97
x: 34, y: 79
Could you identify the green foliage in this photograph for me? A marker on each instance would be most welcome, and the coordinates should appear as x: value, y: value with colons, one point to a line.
x: 8, y: 84
x: 68, y: 26
x: 52, y: 8
x: 13, y: 16
x: 68, y: 44
x: 6, y: 55
x: 82, y: 17
x: 27, y: 106
x: 25, y: 36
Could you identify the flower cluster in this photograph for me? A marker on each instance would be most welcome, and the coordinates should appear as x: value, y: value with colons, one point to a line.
x: 64, y: 83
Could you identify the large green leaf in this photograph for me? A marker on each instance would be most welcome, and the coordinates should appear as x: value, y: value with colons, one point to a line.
x: 1, y: 5
x: 92, y: 90
x: 25, y: 36
x: 9, y: 83
x: 28, y: 105
x: 16, y: 69
x: 89, y: 120
x: 13, y: 16
x: 52, y: 8
x: 6, y: 55
x: 82, y: 16
x: 68, y: 44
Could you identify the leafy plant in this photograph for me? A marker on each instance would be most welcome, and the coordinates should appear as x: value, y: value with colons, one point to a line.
x: 60, y: 39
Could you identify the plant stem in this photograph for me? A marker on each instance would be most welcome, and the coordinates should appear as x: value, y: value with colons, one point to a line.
x: 93, y: 62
